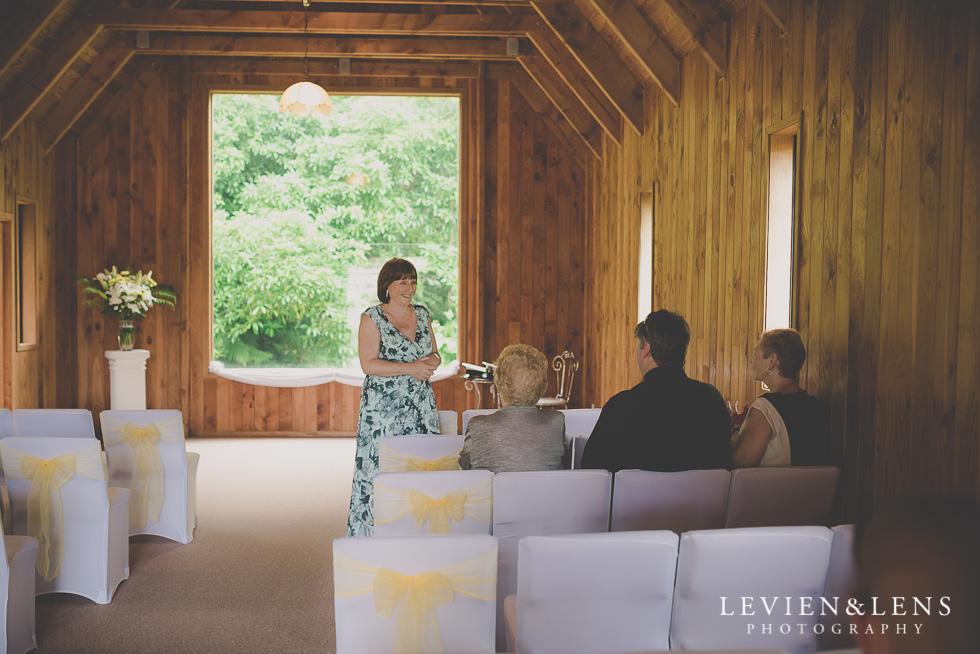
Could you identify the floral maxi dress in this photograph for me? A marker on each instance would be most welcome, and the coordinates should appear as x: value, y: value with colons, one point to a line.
x: 390, y: 406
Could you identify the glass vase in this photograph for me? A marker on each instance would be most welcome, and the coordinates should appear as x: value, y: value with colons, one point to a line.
x: 127, y: 334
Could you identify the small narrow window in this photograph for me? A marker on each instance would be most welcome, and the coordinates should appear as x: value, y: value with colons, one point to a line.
x: 781, y: 226
x: 645, y: 279
x: 26, y: 274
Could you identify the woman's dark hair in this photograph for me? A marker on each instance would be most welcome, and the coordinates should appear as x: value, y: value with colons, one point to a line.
x: 393, y: 271
x: 788, y: 347
x: 668, y: 335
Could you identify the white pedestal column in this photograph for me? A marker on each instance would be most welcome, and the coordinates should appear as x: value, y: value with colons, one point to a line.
x: 127, y: 379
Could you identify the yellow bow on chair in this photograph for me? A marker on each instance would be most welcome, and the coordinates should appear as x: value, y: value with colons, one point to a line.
x: 410, y: 600
x: 437, y: 512
x: 475, y: 501
x: 45, y: 512
x: 393, y: 460
x: 146, y: 486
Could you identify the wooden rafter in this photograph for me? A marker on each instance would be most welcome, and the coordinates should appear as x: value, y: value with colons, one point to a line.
x: 581, y: 83
x: 82, y: 94
x: 543, y: 107
x: 22, y: 23
x: 778, y: 10
x: 320, y: 22
x: 564, y: 100
x: 705, y: 27
x: 318, y: 68
x: 477, y: 3
x: 320, y: 46
x: 652, y: 52
x: 595, y: 55
x: 37, y: 80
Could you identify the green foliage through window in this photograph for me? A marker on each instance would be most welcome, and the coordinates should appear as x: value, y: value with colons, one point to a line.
x: 307, y: 209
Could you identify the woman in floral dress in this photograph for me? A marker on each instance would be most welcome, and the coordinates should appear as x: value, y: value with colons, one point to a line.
x: 398, y: 355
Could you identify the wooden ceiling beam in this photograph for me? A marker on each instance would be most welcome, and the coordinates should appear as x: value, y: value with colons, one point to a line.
x: 463, y: 3
x: 23, y: 21
x: 581, y: 83
x: 39, y: 78
x: 81, y: 95
x: 778, y: 10
x: 705, y: 27
x: 564, y: 100
x: 320, y: 22
x: 318, y: 68
x: 320, y: 46
x: 595, y: 55
x: 554, y: 119
x: 639, y: 37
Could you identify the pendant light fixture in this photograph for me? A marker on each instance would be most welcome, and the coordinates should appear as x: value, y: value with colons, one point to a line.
x: 305, y: 97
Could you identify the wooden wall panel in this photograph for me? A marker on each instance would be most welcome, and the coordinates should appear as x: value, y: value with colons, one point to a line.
x: 35, y: 375
x: 143, y: 196
x: 887, y: 290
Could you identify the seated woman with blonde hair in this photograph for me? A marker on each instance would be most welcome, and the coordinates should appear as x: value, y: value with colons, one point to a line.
x: 785, y: 426
x: 518, y: 436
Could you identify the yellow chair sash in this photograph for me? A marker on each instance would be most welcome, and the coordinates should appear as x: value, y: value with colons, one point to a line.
x: 474, y: 501
x: 392, y: 460
x: 146, y: 486
x: 45, y: 513
x: 410, y: 600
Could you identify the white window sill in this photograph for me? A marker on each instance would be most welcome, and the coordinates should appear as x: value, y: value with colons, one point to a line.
x: 302, y: 377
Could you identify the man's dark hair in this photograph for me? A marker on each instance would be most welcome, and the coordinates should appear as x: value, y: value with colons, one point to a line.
x: 668, y: 335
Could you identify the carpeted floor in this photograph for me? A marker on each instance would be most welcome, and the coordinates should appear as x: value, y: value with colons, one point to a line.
x: 258, y: 576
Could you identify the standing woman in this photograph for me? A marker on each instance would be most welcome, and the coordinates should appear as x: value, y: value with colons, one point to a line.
x: 398, y: 355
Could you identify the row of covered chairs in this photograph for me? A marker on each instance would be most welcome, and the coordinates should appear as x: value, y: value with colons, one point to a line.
x: 72, y: 519
x: 600, y: 593
x: 639, y: 499
x: 514, y: 505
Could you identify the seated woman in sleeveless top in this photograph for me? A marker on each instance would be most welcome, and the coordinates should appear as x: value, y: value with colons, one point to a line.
x: 518, y: 436
x: 786, y: 426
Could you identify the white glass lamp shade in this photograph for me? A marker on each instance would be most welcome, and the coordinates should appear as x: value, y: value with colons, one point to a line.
x: 304, y: 97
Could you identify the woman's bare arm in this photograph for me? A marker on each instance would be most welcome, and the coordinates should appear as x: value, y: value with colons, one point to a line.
x: 753, y: 439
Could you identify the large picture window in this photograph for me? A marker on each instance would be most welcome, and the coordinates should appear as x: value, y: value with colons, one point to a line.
x: 307, y: 209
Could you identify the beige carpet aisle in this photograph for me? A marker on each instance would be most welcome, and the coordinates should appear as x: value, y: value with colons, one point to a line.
x: 257, y: 577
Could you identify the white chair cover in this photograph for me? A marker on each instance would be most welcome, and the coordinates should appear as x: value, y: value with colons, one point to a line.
x: 6, y: 423
x: 782, y: 496
x: 443, y: 502
x: 147, y: 454
x: 419, y: 453
x: 450, y: 607
x: 54, y: 423
x: 762, y: 562
x: 17, y: 557
x: 678, y: 501
x: 840, y: 582
x: 469, y: 413
x: 6, y: 431
x: 578, y: 427
x: 595, y: 593
x: 544, y: 503
x: 84, y: 547
x: 448, y: 422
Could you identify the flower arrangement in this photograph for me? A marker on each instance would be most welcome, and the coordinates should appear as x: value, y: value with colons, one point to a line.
x: 127, y: 295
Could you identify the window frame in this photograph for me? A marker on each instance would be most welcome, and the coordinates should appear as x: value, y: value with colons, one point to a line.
x: 792, y: 126
x: 202, y: 208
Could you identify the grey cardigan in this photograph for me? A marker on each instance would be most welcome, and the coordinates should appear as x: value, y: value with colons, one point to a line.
x: 514, y: 438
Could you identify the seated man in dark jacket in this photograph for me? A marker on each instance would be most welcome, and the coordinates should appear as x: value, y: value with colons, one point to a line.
x: 667, y: 422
